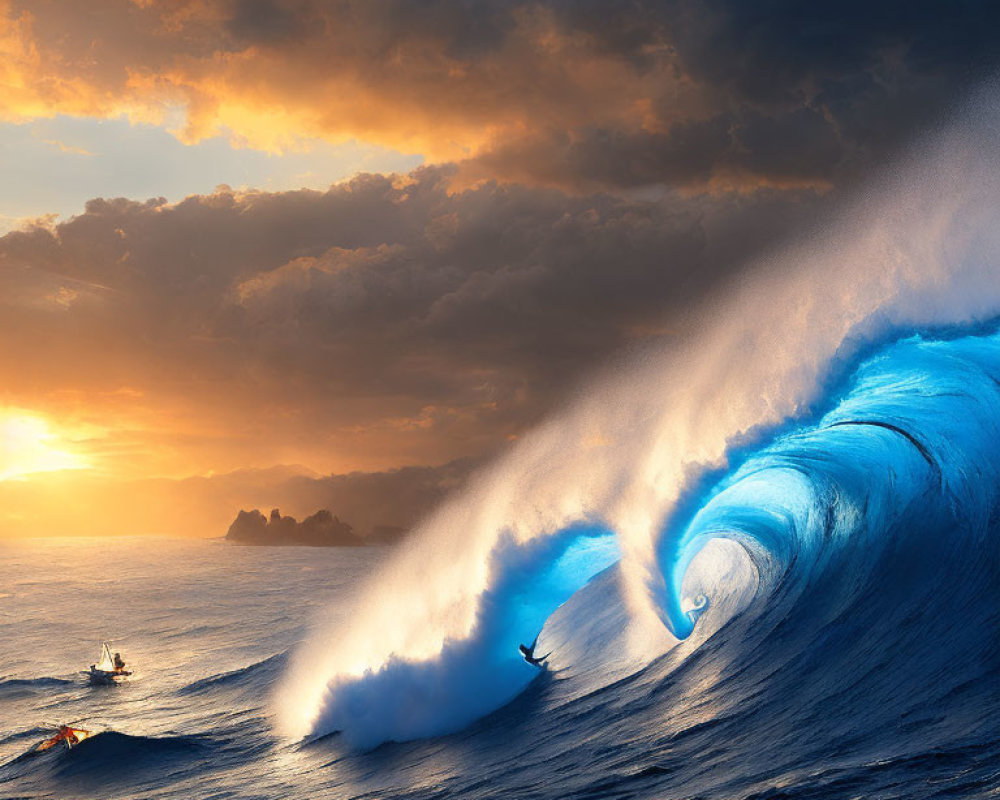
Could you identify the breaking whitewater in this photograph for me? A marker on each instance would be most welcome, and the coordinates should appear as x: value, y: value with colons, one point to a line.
x: 766, y: 562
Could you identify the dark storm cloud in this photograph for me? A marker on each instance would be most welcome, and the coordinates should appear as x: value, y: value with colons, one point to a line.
x: 407, y: 322
x: 778, y: 52
x: 590, y: 158
x: 800, y: 147
x: 792, y: 92
x: 584, y: 95
x: 265, y: 22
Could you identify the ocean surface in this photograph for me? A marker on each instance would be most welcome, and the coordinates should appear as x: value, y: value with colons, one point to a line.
x: 204, y: 624
x: 829, y: 614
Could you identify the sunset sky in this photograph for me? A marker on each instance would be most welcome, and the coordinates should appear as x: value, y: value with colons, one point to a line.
x: 293, y: 238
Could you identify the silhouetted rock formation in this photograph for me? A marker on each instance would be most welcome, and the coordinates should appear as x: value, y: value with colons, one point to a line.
x: 383, y: 506
x: 375, y: 502
x: 322, y: 529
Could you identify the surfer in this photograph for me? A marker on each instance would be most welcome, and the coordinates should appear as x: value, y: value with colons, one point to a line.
x: 528, y: 653
x: 70, y: 736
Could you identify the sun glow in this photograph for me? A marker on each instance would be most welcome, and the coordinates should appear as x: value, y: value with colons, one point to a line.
x: 28, y: 445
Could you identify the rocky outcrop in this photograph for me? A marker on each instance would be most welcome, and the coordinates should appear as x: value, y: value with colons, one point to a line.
x: 322, y: 529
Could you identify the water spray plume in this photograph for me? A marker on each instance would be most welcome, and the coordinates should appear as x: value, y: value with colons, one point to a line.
x: 430, y: 643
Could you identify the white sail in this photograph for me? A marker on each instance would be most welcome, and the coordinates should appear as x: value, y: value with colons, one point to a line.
x: 106, y: 663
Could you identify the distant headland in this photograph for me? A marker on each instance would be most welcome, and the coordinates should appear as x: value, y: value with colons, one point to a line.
x: 322, y: 529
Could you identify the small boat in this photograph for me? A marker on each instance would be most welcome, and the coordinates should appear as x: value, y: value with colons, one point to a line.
x: 109, y: 670
x: 65, y: 734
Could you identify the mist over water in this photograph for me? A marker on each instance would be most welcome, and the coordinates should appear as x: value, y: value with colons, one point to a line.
x: 638, y: 457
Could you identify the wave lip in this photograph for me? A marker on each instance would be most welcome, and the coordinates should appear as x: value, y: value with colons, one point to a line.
x: 914, y: 441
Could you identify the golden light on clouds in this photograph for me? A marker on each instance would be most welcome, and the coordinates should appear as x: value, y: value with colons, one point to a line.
x: 30, y: 444
x: 368, y: 78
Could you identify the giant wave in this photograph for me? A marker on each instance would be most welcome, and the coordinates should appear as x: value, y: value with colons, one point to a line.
x: 800, y: 496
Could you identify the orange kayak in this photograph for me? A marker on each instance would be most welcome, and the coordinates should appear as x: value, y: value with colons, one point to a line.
x: 71, y: 736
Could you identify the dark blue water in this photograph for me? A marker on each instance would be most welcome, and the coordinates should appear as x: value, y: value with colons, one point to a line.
x: 849, y: 645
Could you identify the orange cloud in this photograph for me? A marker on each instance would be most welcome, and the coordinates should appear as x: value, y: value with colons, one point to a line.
x: 343, y: 70
x: 579, y: 95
